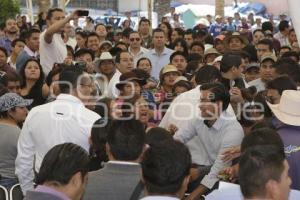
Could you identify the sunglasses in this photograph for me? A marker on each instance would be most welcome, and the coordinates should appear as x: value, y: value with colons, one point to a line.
x: 137, y: 39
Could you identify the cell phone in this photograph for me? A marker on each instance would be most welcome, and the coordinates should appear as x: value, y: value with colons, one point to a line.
x: 82, y: 13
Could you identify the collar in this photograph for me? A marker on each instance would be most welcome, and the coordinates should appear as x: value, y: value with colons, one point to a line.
x: 140, y: 51
x: 122, y: 162
x: 30, y: 52
x: 49, y: 190
x: 164, y: 52
x: 68, y: 97
x: 219, y: 122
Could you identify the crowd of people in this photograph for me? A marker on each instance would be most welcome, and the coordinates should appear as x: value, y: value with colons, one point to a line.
x: 109, y: 112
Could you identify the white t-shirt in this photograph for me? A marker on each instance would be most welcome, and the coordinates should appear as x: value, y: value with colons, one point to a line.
x: 55, y: 52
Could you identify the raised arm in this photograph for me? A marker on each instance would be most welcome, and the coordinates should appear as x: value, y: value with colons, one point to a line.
x: 54, y: 28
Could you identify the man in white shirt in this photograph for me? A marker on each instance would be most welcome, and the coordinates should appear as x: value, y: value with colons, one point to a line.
x: 135, y: 48
x: 52, y: 47
x: 216, y: 131
x: 185, y: 107
x: 64, y: 120
x: 171, y: 157
x: 124, y: 63
x: 160, y: 55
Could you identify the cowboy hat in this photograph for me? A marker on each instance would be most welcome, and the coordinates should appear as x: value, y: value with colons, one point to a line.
x: 288, y: 110
x: 243, y: 39
x: 104, y: 56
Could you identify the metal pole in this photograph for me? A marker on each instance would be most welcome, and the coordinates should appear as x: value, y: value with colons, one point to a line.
x: 30, y: 11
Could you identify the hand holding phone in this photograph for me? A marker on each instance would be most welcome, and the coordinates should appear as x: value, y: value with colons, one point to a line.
x: 81, y: 13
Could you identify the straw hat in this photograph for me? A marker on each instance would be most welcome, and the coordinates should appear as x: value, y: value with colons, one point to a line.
x: 243, y: 39
x: 104, y: 56
x: 288, y: 110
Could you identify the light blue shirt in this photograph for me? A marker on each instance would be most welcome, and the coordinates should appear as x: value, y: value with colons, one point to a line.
x: 226, y: 132
x: 158, y: 61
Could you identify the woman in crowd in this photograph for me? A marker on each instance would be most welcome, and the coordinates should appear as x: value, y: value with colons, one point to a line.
x: 33, y: 85
x: 13, y: 112
x: 166, y: 27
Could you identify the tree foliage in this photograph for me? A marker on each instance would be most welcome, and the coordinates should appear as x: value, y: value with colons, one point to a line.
x: 8, y: 8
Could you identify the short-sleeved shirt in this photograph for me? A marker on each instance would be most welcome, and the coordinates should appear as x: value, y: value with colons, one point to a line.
x: 55, y: 52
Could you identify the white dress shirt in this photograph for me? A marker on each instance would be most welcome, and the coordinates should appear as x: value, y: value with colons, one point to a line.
x: 226, y: 132
x: 139, y: 55
x: 158, y: 61
x: 183, y: 109
x: 64, y: 120
x: 233, y: 192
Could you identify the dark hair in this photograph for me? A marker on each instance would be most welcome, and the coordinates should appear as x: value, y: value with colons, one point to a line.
x: 4, y: 51
x: 282, y: 83
x: 207, y: 74
x: 165, y: 166
x: 92, y: 34
x: 69, y: 75
x: 62, y: 162
x: 141, y: 74
x: 126, y: 139
x: 291, y: 54
x: 220, y: 93
x: 168, y: 25
x: 29, y: 33
x: 118, y: 56
x: 177, y: 53
x: 262, y: 136
x: 157, y: 30
x: 14, y: 42
x: 229, y: 61
x: 13, y: 77
x: 291, y: 30
x: 257, y: 166
x: 258, y: 30
x: 143, y: 19
x: 57, y: 69
x: 283, y: 25
x: 71, y: 50
x: 82, y: 33
x: 141, y: 59
x: 180, y: 31
x: 51, y: 11
x: 83, y: 51
x: 126, y: 32
x: 267, y: 26
x: 189, y: 32
x: 191, y: 68
x: 182, y: 83
x: 182, y: 43
x: 285, y: 47
x: 98, y: 137
x: 267, y: 42
x: 99, y: 24
x: 289, y: 67
x: 197, y: 43
x: 36, y: 90
x: 156, y: 135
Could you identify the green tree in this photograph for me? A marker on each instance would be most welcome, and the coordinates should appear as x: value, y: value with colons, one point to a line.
x: 8, y: 8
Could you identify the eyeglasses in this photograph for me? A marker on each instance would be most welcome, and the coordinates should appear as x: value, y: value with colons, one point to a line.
x: 136, y: 39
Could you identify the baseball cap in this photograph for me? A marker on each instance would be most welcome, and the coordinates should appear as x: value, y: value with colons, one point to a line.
x: 12, y: 100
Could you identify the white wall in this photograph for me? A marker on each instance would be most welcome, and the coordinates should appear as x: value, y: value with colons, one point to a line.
x: 130, y: 5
